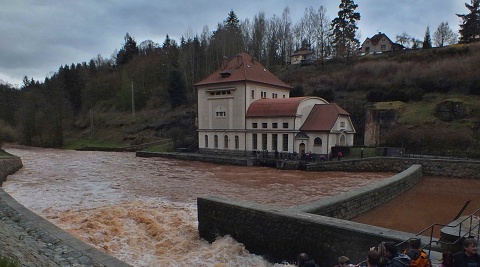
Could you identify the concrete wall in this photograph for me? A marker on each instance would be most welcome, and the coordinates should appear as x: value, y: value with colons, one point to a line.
x: 430, y: 166
x: 34, y: 241
x: 356, y: 202
x: 280, y: 234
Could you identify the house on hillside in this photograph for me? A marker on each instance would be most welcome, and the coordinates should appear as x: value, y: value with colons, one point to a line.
x: 303, y: 57
x: 380, y: 43
x: 242, y: 107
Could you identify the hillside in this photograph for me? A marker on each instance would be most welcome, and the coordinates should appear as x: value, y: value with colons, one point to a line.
x: 433, y: 95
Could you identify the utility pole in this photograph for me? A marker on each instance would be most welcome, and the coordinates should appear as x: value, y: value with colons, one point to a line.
x: 92, y: 126
x: 133, y: 103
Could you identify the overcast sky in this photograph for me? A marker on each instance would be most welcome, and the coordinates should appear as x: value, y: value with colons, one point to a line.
x: 39, y: 36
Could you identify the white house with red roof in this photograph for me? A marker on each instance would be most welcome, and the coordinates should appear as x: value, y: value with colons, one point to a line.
x: 379, y: 43
x: 242, y: 107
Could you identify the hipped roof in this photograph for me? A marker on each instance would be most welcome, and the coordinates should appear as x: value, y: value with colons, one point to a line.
x: 242, y: 68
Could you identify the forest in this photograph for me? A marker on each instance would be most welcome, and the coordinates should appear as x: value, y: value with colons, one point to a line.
x: 150, y: 86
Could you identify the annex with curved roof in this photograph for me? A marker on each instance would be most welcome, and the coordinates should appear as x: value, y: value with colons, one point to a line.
x: 278, y: 107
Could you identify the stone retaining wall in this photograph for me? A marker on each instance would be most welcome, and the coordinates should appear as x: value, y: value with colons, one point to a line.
x: 213, y: 158
x: 358, y: 201
x: 434, y: 167
x: 33, y: 241
x: 280, y: 234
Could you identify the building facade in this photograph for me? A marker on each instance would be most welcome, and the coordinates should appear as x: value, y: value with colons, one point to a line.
x: 243, y: 108
x: 379, y: 43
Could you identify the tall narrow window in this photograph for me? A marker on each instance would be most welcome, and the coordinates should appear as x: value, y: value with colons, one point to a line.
x: 253, y: 94
x: 285, y: 142
x: 237, y: 142
x: 254, y: 142
x: 225, y: 141
x: 215, y: 141
x: 274, y: 142
x: 206, y: 141
x: 264, y: 142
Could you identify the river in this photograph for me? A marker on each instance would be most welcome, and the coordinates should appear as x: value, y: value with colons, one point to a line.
x: 143, y: 210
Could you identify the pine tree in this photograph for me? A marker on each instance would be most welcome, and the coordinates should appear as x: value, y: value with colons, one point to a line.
x: 427, y: 41
x: 470, y: 28
x: 344, y: 29
x: 128, y: 51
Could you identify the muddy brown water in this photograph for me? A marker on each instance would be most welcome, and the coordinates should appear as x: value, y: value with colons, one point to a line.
x: 143, y: 210
x: 432, y: 200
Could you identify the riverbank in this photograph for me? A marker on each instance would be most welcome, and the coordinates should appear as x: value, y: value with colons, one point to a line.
x: 31, y: 240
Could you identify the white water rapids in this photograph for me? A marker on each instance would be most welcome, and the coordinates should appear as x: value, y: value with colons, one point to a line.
x: 143, y: 210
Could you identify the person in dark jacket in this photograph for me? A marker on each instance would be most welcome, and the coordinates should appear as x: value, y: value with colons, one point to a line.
x: 469, y: 256
x: 396, y: 259
x: 304, y: 261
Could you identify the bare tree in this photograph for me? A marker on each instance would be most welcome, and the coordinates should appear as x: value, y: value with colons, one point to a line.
x: 323, y: 33
x: 403, y: 39
x: 285, y: 37
x: 444, y: 35
x: 258, y: 36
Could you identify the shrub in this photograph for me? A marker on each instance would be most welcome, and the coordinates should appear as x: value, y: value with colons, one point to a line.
x: 7, y: 262
x: 7, y: 133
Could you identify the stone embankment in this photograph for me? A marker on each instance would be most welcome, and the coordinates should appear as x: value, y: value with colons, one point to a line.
x: 320, y: 228
x: 432, y: 167
x: 33, y: 241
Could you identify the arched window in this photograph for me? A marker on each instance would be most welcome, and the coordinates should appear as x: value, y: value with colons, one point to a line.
x: 343, y: 140
x: 206, y: 141
x: 237, y: 142
x: 225, y: 141
x: 317, y: 141
x: 215, y: 141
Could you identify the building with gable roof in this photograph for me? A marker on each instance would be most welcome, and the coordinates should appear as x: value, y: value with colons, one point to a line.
x: 242, y: 107
x: 303, y: 57
x: 379, y: 43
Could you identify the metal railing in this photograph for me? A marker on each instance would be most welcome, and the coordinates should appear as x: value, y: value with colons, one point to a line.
x: 473, y: 231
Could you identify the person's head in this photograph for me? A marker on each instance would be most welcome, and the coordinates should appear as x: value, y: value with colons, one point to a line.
x: 470, y: 246
x: 390, y: 248
x: 343, y: 260
x: 301, y: 259
x: 372, y: 258
x: 415, y: 243
x: 447, y: 258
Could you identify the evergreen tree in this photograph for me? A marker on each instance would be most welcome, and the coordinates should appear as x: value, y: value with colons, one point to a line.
x: 128, y: 51
x: 427, y: 41
x: 470, y: 28
x: 176, y: 88
x: 344, y: 29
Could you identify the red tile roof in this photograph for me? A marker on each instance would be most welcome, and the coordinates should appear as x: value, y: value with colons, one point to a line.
x: 242, y: 68
x: 323, y: 117
x: 274, y: 107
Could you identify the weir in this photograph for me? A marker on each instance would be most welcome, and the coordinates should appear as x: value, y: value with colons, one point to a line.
x: 319, y: 228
